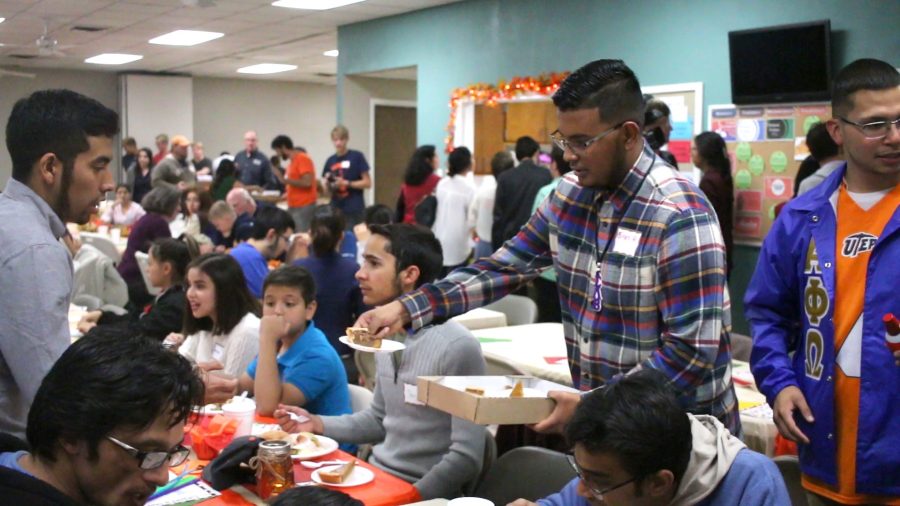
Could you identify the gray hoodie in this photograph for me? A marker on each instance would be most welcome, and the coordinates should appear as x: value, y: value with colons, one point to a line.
x: 713, y: 451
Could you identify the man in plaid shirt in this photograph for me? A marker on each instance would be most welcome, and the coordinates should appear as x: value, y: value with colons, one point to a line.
x: 638, y: 253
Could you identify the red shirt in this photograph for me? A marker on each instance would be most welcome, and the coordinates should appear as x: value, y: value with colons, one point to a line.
x: 412, y: 195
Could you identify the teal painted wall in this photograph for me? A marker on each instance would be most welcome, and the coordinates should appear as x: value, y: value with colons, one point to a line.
x: 663, y: 41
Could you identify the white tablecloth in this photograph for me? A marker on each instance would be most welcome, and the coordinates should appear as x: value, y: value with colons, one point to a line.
x: 540, y: 350
x: 481, y: 318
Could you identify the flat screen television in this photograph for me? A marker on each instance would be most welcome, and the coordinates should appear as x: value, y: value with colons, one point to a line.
x: 777, y: 64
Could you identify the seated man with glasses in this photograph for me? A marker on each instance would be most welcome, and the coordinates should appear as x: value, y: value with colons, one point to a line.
x: 105, y: 426
x: 634, y: 445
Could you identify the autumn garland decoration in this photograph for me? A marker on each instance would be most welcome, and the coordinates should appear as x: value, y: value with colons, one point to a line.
x: 491, y: 95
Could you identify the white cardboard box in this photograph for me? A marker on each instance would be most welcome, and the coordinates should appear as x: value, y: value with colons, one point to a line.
x: 448, y: 394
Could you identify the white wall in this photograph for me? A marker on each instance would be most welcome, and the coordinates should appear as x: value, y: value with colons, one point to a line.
x: 98, y: 85
x: 226, y: 108
x: 152, y: 104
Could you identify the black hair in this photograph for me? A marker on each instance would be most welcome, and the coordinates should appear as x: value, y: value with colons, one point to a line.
x: 413, y: 245
x: 526, y: 147
x: 149, y: 154
x: 123, y: 185
x: 176, y: 252
x: 226, y: 168
x: 233, y: 299
x: 558, y: 156
x: 109, y: 380
x: 501, y: 162
x: 618, y: 419
x: 606, y: 85
x: 821, y: 145
x: 807, y: 168
x: 711, y: 148
x: 320, y: 496
x: 163, y: 199
x: 378, y: 214
x: 419, y: 167
x: 459, y: 161
x: 275, y: 160
x: 58, y: 122
x: 293, y: 276
x: 326, y: 229
x: 269, y: 218
x: 282, y: 141
x: 862, y: 74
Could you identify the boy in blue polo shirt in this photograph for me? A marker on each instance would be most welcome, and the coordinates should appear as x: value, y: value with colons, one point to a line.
x: 296, y: 364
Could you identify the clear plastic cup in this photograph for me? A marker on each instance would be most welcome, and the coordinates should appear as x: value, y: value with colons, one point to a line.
x: 243, y: 410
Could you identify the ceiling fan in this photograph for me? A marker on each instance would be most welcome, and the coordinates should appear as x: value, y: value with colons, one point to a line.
x: 45, y: 45
x: 16, y: 73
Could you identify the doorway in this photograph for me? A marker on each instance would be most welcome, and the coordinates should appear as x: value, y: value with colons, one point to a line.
x: 394, y: 140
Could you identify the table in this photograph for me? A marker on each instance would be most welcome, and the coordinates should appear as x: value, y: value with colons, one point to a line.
x: 481, y: 318
x: 385, y: 490
x: 540, y: 350
x: 432, y: 502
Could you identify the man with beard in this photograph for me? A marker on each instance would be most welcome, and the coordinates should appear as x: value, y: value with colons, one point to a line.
x: 60, y: 144
x: 637, y: 250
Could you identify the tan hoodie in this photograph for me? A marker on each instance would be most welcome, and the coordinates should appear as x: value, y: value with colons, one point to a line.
x: 712, y: 452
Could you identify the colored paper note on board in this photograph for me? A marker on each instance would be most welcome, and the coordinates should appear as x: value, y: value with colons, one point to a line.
x: 743, y: 151
x: 756, y: 165
x: 727, y: 128
x: 801, y: 150
x: 778, y: 187
x: 681, y: 150
x: 778, y: 161
x: 748, y: 225
x: 682, y: 130
x: 751, y: 129
x: 748, y: 200
x: 777, y: 129
x: 742, y: 179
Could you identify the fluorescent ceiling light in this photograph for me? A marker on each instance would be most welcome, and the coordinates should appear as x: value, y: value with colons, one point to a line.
x: 266, y: 68
x: 113, y: 58
x: 2, y: 20
x: 332, y: 53
x: 315, y: 5
x: 185, y: 38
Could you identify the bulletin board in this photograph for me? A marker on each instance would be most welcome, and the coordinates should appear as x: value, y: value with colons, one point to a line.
x: 685, y: 101
x: 766, y: 144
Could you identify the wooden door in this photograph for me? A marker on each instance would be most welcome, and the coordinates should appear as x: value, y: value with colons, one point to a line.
x: 395, y: 142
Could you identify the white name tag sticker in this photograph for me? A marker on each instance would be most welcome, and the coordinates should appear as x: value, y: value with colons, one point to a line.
x: 345, y: 164
x: 218, y: 352
x: 626, y: 242
x: 411, y: 394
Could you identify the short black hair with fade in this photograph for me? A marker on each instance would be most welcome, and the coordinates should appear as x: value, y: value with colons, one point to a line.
x: 458, y: 161
x: 606, y: 85
x: 106, y: 381
x: 638, y: 421
x: 862, y: 74
x: 292, y: 276
x: 526, y: 147
x: 282, y: 141
x: 269, y: 218
x: 55, y: 121
x: 413, y: 245
x: 820, y: 143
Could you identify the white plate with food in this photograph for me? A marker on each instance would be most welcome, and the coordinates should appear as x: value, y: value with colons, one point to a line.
x: 341, y: 476
x: 209, y: 409
x: 304, y: 445
x: 386, y: 346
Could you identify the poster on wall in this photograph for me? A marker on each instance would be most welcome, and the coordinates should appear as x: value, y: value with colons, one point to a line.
x: 766, y: 145
x: 685, y: 101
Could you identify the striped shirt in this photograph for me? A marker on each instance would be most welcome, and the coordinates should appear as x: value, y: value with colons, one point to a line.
x: 664, y: 297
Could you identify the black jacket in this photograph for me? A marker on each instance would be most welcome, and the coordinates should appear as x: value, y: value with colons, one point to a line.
x: 164, y: 317
x: 514, y: 199
x: 18, y: 488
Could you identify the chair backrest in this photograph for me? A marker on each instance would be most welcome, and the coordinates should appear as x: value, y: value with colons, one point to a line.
x: 487, y: 462
x: 360, y: 397
x: 143, y: 261
x: 528, y: 472
x: 102, y: 243
x: 789, y: 465
x: 519, y: 310
x: 741, y: 346
x: 496, y: 367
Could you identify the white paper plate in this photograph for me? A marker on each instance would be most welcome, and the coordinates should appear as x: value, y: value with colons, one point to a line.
x: 209, y: 409
x: 307, y: 452
x: 359, y: 476
x: 387, y: 346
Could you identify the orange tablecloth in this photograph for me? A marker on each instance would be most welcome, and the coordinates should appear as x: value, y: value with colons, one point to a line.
x: 385, y: 490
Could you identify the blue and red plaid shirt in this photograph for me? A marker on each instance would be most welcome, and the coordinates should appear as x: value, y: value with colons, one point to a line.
x: 664, y: 298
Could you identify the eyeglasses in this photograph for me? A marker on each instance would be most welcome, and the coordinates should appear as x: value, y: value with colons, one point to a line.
x: 579, y: 147
x: 874, y: 130
x: 153, y: 460
x: 598, y: 493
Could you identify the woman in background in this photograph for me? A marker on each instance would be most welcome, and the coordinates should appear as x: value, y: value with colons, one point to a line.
x: 124, y: 211
x: 711, y: 157
x: 454, y: 196
x: 418, y: 183
x: 137, y: 177
x: 224, y: 180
